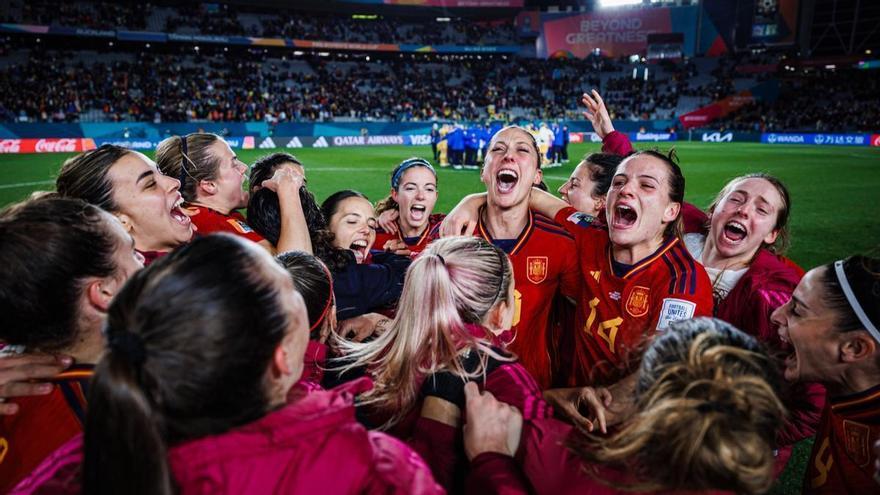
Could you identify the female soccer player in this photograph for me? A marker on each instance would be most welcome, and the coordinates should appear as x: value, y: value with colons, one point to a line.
x: 410, y: 206
x: 359, y: 288
x: 130, y: 186
x: 62, y: 260
x: 363, y: 282
x: 542, y: 253
x: 458, y: 296
x: 706, y: 413
x: 212, y: 183
x: 747, y: 231
x: 832, y: 324
x: 191, y: 396
x: 313, y: 281
x: 586, y: 188
x: 636, y: 275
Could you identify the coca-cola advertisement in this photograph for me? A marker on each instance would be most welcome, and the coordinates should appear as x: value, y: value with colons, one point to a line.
x: 46, y: 145
x: 10, y: 145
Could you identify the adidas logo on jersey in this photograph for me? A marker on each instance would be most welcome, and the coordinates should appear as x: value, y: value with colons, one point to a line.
x: 595, y: 274
x: 320, y: 143
x: 267, y: 143
x: 294, y: 143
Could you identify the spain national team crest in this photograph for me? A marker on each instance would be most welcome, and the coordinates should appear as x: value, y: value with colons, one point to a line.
x: 536, y: 269
x: 637, y: 302
x: 858, y: 443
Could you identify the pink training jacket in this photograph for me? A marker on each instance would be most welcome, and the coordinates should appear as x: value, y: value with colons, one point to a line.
x: 313, y: 445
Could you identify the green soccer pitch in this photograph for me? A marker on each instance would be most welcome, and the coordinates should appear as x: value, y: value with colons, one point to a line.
x: 835, y: 190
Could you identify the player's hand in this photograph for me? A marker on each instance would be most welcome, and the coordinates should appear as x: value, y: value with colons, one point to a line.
x: 20, y: 376
x: 396, y: 246
x: 462, y: 220
x: 586, y: 407
x: 285, y: 180
x: 492, y: 426
x: 388, y: 221
x: 361, y: 327
x: 597, y: 114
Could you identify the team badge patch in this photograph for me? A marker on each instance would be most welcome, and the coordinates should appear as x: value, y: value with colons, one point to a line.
x: 637, y: 303
x: 239, y: 226
x: 580, y: 219
x: 673, y: 310
x: 536, y: 269
x: 858, y: 442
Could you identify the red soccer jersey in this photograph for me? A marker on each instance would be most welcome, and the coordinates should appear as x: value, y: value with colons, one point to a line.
x: 208, y: 221
x: 618, y: 312
x: 42, y: 424
x: 415, y: 244
x: 544, y: 267
x: 842, y: 460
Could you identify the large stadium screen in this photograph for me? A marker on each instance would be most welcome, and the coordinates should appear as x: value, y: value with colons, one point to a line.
x: 775, y: 21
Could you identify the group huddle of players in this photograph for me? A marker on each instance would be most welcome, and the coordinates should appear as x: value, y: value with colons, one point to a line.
x: 613, y: 339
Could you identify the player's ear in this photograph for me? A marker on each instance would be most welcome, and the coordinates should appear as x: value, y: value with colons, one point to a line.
x: 857, y: 348
x: 671, y: 211
x: 126, y: 222
x: 208, y: 186
x: 539, y: 176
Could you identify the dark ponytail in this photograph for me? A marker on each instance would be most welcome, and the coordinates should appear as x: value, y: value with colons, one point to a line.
x: 49, y: 248
x: 189, y: 342
x: 863, y: 277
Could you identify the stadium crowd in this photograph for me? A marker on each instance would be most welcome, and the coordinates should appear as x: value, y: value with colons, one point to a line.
x: 229, y: 20
x: 42, y: 84
x: 804, y: 105
x: 613, y: 339
x: 62, y: 86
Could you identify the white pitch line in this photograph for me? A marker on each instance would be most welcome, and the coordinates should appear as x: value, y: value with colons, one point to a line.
x: 26, y: 184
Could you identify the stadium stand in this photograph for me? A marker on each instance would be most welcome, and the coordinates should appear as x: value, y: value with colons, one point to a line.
x: 228, y: 20
x: 50, y: 81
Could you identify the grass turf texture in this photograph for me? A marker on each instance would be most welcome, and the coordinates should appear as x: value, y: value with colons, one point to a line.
x: 834, y: 190
x: 834, y: 195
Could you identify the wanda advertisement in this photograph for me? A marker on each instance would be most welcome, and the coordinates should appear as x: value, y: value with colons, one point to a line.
x: 46, y: 145
x: 614, y: 32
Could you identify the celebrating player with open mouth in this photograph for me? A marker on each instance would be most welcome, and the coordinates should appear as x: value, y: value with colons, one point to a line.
x: 832, y: 324
x: 130, y: 185
x: 636, y: 275
x: 741, y: 251
x: 542, y: 253
x: 212, y: 182
x: 406, y: 215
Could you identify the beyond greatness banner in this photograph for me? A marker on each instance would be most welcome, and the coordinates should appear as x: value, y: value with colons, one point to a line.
x: 614, y: 32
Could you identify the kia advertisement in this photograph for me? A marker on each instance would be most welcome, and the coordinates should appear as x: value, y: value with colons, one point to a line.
x: 727, y: 137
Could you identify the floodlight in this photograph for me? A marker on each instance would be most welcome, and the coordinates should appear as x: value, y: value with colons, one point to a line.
x: 618, y: 3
